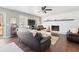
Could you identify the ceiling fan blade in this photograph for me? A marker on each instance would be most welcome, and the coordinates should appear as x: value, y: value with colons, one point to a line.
x: 48, y: 9
x: 39, y: 11
x: 45, y: 12
x: 43, y: 8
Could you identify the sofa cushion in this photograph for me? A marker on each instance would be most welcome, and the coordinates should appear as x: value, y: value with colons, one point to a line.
x: 73, y: 35
x: 38, y: 36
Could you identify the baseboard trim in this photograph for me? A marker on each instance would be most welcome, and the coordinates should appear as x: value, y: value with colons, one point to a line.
x: 4, y: 37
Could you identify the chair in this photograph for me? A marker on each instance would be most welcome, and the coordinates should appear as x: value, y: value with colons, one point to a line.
x: 40, y: 27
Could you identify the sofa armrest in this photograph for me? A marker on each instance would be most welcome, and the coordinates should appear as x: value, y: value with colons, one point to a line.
x: 45, y: 39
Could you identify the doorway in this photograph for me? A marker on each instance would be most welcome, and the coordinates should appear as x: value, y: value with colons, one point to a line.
x: 1, y: 25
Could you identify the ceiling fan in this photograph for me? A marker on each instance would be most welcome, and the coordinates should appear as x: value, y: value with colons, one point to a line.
x: 45, y: 9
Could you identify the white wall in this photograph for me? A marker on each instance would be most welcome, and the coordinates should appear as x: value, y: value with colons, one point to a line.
x: 64, y: 25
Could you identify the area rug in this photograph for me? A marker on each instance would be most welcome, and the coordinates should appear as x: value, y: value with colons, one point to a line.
x: 11, y: 47
x: 54, y: 40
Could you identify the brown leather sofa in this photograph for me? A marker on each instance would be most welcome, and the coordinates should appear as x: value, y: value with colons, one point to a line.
x: 74, y: 37
x: 37, y: 42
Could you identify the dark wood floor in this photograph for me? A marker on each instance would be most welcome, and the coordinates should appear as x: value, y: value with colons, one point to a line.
x: 61, y: 46
x: 64, y: 46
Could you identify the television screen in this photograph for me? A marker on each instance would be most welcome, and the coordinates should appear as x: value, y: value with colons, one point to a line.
x: 31, y: 22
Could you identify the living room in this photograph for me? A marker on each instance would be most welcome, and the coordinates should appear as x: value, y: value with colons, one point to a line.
x: 58, y: 26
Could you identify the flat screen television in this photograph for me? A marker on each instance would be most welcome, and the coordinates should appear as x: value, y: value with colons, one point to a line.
x: 31, y: 22
x: 55, y: 28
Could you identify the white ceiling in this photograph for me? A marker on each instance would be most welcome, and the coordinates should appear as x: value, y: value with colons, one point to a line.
x: 36, y: 9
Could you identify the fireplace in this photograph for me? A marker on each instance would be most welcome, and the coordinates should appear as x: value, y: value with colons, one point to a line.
x: 55, y: 28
